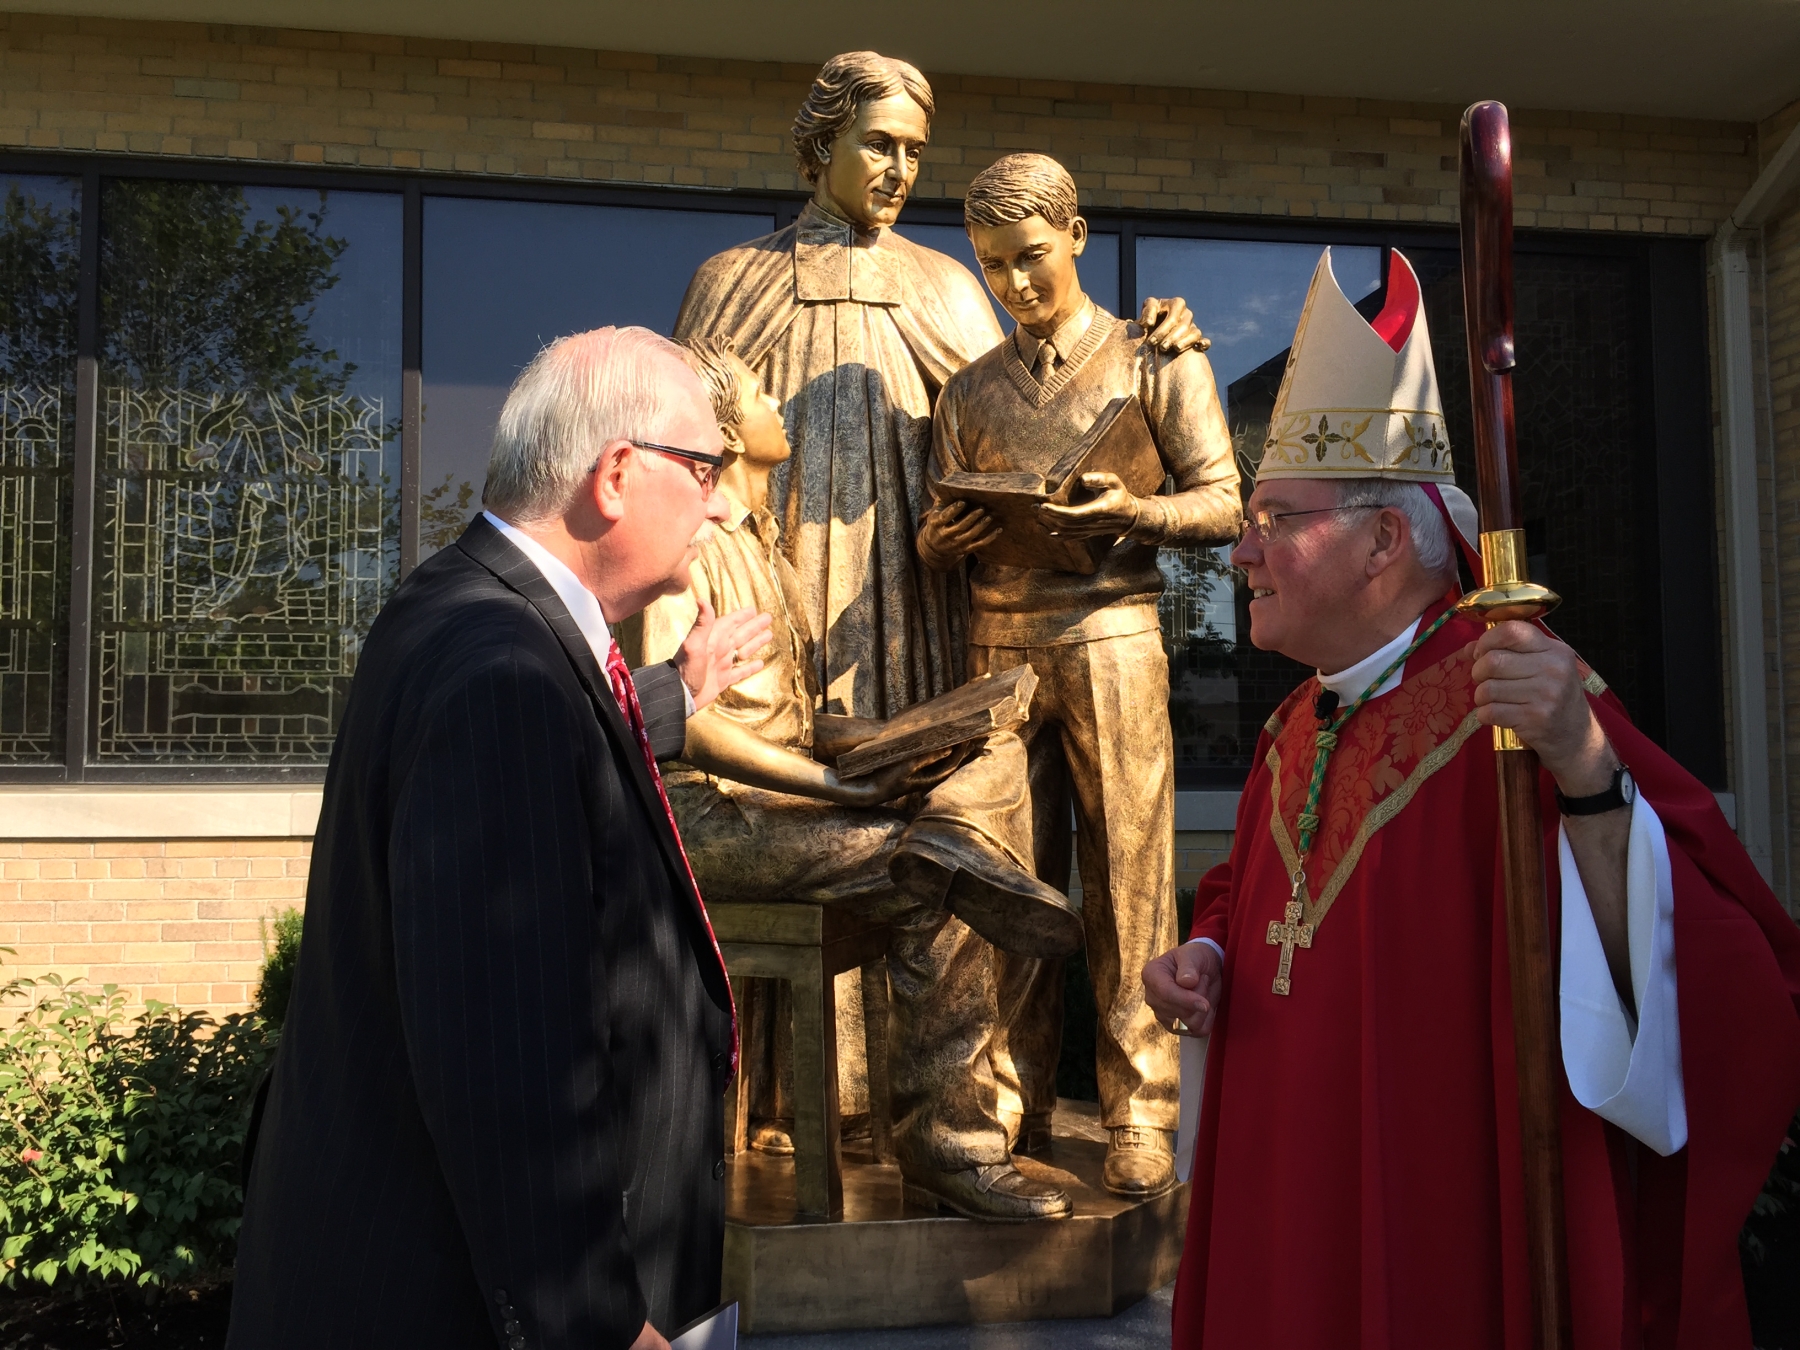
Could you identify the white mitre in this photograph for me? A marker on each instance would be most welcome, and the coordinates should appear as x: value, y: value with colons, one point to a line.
x: 1359, y: 399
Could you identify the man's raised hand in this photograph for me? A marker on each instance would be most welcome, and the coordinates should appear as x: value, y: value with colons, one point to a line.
x: 1527, y: 680
x: 717, y: 651
x: 1182, y: 985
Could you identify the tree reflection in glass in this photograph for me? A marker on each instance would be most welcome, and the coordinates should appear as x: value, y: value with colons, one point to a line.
x: 1246, y: 296
x: 248, y: 506
x: 39, y: 272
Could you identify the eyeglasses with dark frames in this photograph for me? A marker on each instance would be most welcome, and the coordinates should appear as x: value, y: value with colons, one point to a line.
x: 1264, y: 523
x: 706, y: 467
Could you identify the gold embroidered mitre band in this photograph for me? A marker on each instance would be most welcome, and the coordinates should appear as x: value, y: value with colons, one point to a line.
x: 1359, y: 399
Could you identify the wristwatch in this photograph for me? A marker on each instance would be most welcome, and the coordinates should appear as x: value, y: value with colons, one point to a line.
x: 1623, y: 792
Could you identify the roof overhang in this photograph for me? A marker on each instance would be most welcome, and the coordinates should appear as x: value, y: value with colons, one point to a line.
x: 1726, y: 59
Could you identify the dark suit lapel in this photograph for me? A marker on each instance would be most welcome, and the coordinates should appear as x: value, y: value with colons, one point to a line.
x: 487, y: 546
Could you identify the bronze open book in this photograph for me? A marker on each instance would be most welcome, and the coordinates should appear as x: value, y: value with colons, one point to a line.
x: 1118, y: 442
x: 985, y: 704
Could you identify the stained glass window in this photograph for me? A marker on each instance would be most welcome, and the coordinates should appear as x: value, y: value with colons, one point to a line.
x: 39, y: 276
x: 247, y: 521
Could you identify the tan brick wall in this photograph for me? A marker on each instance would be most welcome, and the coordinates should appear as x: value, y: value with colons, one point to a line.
x: 1776, y: 324
x: 412, y: 103
x: 177, y: 920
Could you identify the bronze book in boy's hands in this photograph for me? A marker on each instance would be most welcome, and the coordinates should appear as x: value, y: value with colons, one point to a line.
x: 985, y: 704
x: 1119, y: 443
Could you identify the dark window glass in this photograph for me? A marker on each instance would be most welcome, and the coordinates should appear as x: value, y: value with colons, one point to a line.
x: 247, y: 521
x: 1099, y: 263
x: 502, y: 280
x: 1246, y: 296
x: 39, y: 267
x: 1586, y: 475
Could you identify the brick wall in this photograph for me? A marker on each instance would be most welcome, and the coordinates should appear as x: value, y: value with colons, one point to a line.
x: 412, y: 103
x: 178, y: 920
x: 1776, y: 324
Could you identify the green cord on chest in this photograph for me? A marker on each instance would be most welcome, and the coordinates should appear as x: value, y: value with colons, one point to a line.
x: 1326, y: 739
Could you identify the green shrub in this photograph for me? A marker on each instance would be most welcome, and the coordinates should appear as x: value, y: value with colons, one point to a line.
x: 279, y: 963
x: 120, y: 1142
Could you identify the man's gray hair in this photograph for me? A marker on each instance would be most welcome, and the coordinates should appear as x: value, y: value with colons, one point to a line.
x: 577, y: 395
x: 1430, y: 536
x: 842, y: 86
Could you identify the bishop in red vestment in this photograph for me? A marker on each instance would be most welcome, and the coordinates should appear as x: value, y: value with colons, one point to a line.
x: 1356, y: 1171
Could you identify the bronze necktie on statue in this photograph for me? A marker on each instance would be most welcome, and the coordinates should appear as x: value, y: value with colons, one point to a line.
x: 1508, y: 593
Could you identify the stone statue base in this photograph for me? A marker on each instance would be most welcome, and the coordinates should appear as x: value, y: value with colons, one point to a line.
x: 888, y: 1264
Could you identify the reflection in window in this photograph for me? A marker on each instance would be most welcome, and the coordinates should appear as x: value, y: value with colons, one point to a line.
x: 1099, y: 263
x: 247, y: 522
x: 39, y: 270
x: 1247, y: 297
x: 503, y: 279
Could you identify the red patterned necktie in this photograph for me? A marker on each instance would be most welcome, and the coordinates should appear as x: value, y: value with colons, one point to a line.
x: 626, y: 693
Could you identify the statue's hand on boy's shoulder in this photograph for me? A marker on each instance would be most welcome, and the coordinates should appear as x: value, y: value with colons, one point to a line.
x: 1170, y: 326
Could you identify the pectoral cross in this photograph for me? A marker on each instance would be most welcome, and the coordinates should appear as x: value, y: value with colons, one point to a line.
x: 1288, y: 935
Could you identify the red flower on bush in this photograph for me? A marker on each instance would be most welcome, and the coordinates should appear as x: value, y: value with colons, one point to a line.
x: 31, y: 1155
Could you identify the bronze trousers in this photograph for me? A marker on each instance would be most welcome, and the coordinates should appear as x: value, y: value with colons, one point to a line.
x: 750, y: 844
x: 1098, y: 738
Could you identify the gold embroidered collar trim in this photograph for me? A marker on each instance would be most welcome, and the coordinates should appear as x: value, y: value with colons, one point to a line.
x: 1380, y: 814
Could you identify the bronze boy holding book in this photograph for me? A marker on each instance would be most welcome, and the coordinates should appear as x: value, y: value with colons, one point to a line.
x: 1099, y: 730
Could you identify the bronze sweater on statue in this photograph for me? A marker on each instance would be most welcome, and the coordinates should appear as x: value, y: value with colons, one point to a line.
x: 994, y: 416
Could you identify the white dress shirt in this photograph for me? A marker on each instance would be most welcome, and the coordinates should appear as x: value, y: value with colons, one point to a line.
x: 1626, y: 1070
x: 581, y: 603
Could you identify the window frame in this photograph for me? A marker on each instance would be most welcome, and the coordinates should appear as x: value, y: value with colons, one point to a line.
x: 1673, y: 387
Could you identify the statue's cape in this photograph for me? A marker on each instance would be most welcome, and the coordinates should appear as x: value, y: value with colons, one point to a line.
x: 754, y: 292
x: 1356, y: 1178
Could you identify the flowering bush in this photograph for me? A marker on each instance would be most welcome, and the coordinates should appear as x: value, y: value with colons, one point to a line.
x: 120, y: 1142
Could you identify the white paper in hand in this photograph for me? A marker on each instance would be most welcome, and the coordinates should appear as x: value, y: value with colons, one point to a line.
x: 1193, y: 1074
x: 716, y: 1331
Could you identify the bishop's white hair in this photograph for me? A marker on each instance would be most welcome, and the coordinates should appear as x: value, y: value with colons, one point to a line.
x: 1430, y: 536
x: 577, y: 395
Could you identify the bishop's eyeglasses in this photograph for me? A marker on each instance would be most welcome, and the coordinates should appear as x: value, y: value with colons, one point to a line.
x: 1266, y: 525
x: 706, y: 468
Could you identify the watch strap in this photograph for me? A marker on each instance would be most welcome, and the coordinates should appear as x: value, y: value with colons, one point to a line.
x: 1598, y: 803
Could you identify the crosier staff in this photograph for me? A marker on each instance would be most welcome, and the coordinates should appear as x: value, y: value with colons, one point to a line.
x: 1487, y: 258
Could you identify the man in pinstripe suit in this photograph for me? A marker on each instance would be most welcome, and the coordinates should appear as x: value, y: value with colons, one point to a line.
x: 496, y: 1114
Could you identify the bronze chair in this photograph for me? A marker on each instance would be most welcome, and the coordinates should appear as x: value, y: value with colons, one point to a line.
x: 808, y: 945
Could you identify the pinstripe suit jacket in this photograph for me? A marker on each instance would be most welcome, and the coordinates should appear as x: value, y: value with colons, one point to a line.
x: 496, y: 1114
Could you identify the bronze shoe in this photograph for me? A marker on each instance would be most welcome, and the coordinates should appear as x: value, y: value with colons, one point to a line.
x: 998, y: 1192
x: 1005, y: 904
x: 1140, y: 1163
x: 774, y: 1137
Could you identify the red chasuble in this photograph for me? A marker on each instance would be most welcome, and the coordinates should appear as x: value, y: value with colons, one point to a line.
x: 1356, y: 1172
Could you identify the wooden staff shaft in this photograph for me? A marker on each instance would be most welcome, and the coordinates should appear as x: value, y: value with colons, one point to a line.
x: 1488, y: 305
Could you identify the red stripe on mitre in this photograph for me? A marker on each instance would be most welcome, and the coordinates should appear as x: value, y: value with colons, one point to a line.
x: 1395, y: 322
